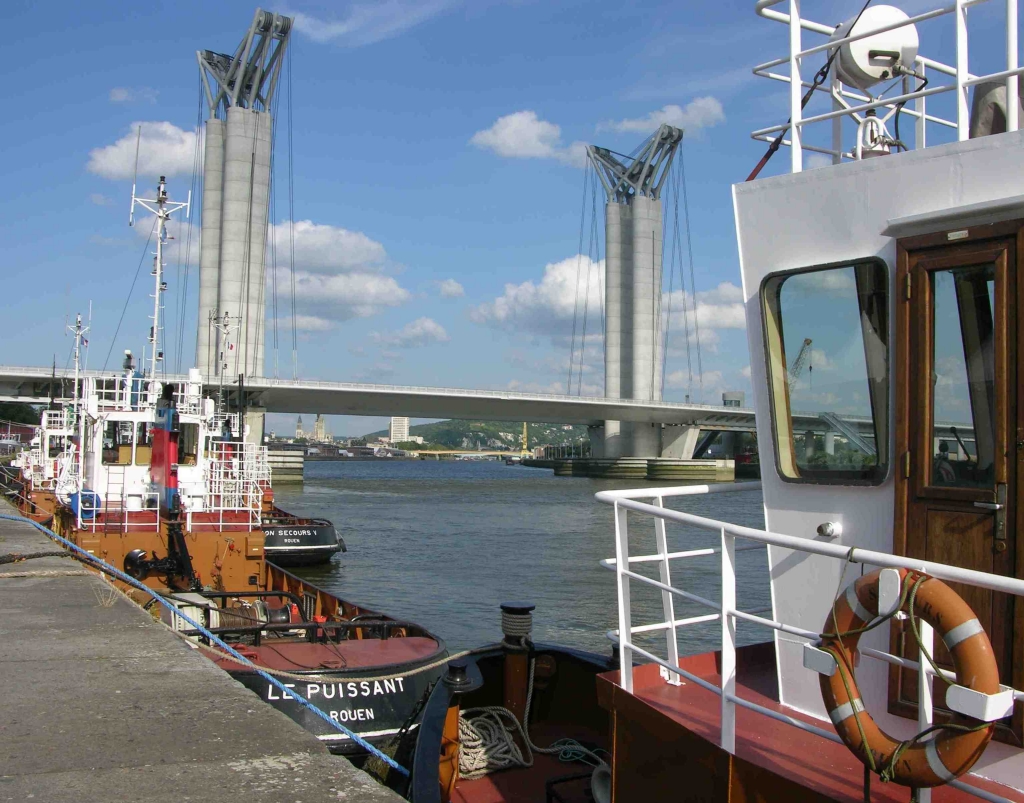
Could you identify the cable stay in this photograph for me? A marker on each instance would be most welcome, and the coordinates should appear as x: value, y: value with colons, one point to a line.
x: 576, y: 300
x: 291, y: 216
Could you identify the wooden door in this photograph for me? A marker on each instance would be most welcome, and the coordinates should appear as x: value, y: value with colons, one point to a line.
x: 958, y: 429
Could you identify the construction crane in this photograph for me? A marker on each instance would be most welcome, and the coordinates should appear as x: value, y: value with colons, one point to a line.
x: 798, y: 364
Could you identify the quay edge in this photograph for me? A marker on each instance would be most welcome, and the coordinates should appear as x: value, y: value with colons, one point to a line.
x: 103, y: 702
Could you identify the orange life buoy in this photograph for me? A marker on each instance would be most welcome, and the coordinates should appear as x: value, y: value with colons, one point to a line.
x: 946, y: 754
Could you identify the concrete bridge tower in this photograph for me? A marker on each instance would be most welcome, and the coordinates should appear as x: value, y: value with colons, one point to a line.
x: 633, y: 269
x: 239, y: 91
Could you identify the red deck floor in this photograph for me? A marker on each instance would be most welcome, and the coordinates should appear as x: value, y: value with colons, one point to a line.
x: 291, y: 656
x: 813, y: 762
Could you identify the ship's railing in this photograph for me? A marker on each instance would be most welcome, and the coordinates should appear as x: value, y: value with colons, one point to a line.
x: 726, y: 611
x: 235, y: 475
x: 56, y: 420
x: 853, y: 103
x: 122, y: 392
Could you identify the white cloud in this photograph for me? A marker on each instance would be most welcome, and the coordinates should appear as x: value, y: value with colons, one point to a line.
x: 745, y: 372
x: 323, y: 248
x: 342, y: 296
x: 100, y: 199
x: 124, y: 94
x: 703, y: 112
x: 548, y: 308
x: 339, y: 273
x: 421, y: 332
x: 367, y: 23
x: 450, y: 288
x: 307, y: 323
x: 719, y: 308
x: 709, y: 381
x: 523, y: 135
x: 164, y: 150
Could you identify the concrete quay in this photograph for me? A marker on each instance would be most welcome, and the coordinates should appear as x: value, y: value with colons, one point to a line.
x: 99, y: 702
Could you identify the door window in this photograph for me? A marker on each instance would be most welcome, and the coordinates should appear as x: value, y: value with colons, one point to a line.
x: 827, y: 340
x: 963, y: 377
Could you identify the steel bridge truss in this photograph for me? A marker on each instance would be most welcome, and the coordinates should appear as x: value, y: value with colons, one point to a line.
x: 645, y: 174
x: 249, y: 77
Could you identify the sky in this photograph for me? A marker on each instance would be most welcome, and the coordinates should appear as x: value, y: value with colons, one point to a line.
x: 438, y: 180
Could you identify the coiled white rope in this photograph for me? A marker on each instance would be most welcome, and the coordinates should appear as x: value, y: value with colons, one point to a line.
x: 487, y: 740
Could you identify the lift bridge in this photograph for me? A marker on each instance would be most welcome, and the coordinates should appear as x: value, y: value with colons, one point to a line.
x: 678, y: 423
x: 632, y: 420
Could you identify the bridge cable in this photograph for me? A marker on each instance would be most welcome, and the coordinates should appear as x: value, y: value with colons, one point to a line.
x: 273, y: 236
x: 270, y: 232
x: 261, y: 298
x: 182, y: 294
x: 676, y: 266
x: 693, y: 284
x: 586, y: 293
x: 671, y: 290
x: 579, y: 262
x: 145, y: 250
x: 291, y: 212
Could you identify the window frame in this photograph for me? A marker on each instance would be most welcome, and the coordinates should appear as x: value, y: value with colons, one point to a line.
x: 881, y: 472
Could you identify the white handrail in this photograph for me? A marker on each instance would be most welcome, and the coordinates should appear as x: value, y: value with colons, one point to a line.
x: 726, y: 611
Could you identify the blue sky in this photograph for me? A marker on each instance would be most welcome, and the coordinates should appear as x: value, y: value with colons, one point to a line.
x: 437, y: 178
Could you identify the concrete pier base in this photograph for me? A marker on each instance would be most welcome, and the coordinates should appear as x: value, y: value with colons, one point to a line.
x: 655, y: 469
x: 101, y: 703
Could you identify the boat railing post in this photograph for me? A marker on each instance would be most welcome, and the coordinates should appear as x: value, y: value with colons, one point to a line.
x: 667, y: 603
x: 920, y: 103
x: 1012, y: 81
x: 963, y: 116
x: 728, y: 734
x: 925, y: 717
x: 796, y: 87
x: 622, y: 589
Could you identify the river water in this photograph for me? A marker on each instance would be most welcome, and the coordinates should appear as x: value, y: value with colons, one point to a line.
x: 443, y: 543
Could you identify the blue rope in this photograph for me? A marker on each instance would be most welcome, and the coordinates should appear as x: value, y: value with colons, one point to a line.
x: 106, y: 568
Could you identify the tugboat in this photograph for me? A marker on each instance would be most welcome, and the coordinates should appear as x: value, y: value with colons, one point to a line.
x: 292, y: 541
x: 894, y: 662
x: 152, y: 476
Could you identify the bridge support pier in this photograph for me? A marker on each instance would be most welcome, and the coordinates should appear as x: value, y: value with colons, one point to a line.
x: 679, y: 442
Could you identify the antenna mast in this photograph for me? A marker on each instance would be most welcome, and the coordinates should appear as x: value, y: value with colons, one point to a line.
x: 163, y: 209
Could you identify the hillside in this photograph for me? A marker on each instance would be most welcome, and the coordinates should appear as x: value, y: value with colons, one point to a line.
x: 454, y: 434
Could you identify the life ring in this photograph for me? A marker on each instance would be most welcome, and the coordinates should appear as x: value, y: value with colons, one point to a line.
x: 946, y: 754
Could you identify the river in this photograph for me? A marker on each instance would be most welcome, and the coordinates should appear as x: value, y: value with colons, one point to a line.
x: 443, y: 543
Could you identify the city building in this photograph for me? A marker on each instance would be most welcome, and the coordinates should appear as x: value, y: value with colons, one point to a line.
x: 320, y: 429
x: 299, y: 434
x: 399, y: 430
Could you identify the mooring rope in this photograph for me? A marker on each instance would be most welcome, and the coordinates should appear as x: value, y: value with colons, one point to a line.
x: 488, y: 744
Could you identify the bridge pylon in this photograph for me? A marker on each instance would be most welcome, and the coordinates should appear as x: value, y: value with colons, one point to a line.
x: 633, y: 280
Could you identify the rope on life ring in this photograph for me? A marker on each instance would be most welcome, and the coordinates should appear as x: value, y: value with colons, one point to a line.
x: 944, y: 752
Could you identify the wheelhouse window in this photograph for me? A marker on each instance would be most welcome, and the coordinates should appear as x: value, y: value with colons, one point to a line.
x: 827, y: 343
x: 143, y: 444
x: 117, y: 443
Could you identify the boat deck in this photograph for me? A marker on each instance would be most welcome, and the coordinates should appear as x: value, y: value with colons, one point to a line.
x: 572, y: 780
x: 100, y: 702
x: 350, y: 654
x: 789, y: 763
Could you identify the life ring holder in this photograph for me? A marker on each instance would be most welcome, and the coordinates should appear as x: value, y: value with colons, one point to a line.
x: 939, y: 754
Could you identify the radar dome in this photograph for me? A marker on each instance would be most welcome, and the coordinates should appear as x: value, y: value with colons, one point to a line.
x: 870, y: 60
